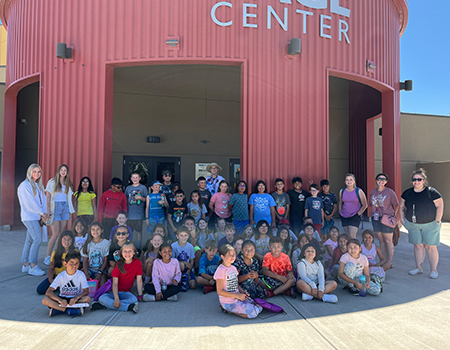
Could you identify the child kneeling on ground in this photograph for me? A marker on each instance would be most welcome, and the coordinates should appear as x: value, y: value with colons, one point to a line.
x: 73, y: 288
x: 312, y: 277
x: 127, y: 269
x: 352, y: 265
x: 166, y: 276
x: 208, y: 266
x: 232, y: 298
x: 277, y: 268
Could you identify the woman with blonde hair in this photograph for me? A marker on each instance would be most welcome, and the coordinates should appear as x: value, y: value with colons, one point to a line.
x: 59, y: 192
x: 33, y: 214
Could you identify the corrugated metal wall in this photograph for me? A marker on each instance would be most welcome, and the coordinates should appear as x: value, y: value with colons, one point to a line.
x: 285, y: 107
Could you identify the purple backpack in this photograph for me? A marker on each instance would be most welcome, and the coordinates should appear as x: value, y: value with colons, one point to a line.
x: 107, y: 287
x: 268, y: 306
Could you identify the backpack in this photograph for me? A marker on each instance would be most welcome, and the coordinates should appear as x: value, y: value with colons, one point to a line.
x: 268, y: 306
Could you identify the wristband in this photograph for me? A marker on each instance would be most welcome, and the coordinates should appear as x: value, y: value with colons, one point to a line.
x: 100, y: 272
x: 139, y: 297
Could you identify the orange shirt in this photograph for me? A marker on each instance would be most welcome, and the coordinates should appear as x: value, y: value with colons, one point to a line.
x: 281, y: 265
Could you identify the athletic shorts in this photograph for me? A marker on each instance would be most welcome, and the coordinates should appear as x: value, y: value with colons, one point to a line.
x: 354, y: 221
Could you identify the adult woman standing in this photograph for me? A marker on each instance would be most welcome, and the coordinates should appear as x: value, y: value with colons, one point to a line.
x: 59, y: 192
x: 32, y: 210
x: 352, y: 203
x: 421, y: 209
x: 383, y: 206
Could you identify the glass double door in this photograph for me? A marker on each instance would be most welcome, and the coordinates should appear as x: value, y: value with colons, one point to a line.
x: 150, y: 168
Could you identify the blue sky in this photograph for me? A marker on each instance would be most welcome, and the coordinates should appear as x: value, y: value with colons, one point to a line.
x: 425, y: 51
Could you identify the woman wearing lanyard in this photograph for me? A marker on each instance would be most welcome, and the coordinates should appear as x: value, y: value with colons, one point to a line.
x: 33, y: 213
x: 421, y: 210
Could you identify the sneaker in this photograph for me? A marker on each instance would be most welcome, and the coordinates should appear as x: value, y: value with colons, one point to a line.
x: 97, y: 306
x: 54, y: 312
x: 353, y: 291
x: 35, y: 271
x: 206, y: 289
x: 307, y: 297
x: 330, y: 298
x: 134, y: 308
x: 74, y: 311
x: 148, y: 297
x: 47, y: 260
x: 416, y: 271
x: 25, y: 268
x: 174, y: 297
x: 269, y: 293
x: 434, y: 275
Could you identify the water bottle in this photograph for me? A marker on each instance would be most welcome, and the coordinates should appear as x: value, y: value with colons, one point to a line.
x: 163, y: 286
x: 362, y: 291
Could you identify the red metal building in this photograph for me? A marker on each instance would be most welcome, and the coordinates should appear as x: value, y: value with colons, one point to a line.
x: 283, y: 97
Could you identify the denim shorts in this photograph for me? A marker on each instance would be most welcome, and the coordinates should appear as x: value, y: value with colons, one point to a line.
x: 379, y: 227
x: 428, y: 233
x: 61, y: 212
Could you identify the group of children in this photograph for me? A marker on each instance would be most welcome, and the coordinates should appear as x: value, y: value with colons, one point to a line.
x: 241, y: 258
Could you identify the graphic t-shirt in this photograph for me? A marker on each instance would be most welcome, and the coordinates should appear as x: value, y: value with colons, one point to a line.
x: 230, y: 277
x: 126, y: 280
x: 97, y: 252
x: 195, y: 211
x: 329, y: 200
x: 314, y: 206
x: 281, y: 201
x: 70, y: 285
x: 240, y: 206
x: 79, y: 241
x: 262, y: 244
x: 297, y: 210
x: 183, y: 253
x: 382, y: 202
x: 136, y: 208
x: 261, y: 206
x: 221, y: 201
x: 178, y: 213
x: 114, y: 252
x: 206, y: 197
x: 207, y: 266
x: 281, y: 265
x: 154, y: 208
x: 360, y: 263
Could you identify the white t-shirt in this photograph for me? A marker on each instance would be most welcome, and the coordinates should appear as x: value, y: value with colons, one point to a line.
x: 70, y: 285
x: 58, y: 196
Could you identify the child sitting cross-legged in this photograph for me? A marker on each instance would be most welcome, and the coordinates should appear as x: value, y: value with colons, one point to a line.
x: 73, y: 288
x: 166, y: 276
x: 183, y: 251
x: 312, y: 277
x: 277, y: 269
x: 208, y: 266
x: 353, y: 265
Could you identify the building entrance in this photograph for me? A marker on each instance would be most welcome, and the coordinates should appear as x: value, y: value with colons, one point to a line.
x: 150, y: 168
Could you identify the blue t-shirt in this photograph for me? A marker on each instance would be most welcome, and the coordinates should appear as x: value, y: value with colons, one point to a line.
x: 136, y: 209
x: 261, y: 206
x: 154, y: 208
x: 314, y: 206
x: 240, y: 206
x: 208, y: 267
x: 183, y: 253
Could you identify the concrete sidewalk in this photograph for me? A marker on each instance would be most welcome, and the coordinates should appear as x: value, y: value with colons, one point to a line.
x: 411, y: 313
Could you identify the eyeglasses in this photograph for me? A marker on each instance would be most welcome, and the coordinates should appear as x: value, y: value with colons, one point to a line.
x: 179, y: 195
x: 264, y: 226
x: 165, y: 175
x: 121, y: 233
x: 418, y: 179
x: 381, y: 179
x: 314, y: 190
x: 118, y: 186
x: 241, y: 185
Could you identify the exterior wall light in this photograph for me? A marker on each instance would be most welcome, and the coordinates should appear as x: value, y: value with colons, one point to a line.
x: 153, y: 139
x: 295, y: 47
x: 406, y: 85
x: 63, y: 52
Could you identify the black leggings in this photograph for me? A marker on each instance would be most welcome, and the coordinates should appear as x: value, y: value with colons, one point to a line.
x: 170, y: 291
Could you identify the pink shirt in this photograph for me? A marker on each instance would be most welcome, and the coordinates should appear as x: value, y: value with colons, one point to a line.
x: 382, y: 202
x: 221, y: 201
x: 333, y: 246
x: 165, y: 273
x: 360, y: 263
x: 230, y: 277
